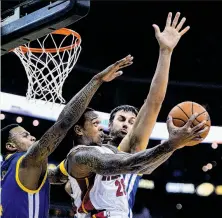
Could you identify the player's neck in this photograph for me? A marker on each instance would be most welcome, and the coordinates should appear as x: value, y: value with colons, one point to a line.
x: 82, y: 141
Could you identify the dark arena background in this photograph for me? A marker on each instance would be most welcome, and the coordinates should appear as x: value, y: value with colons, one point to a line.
x: 189, y: 184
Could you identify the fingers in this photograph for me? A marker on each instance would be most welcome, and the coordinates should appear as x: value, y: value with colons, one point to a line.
x: 198, y: 127
x: 197, y: 136
x: 201, y: 131
x: 175, y: 20
x: 118, y: 73
x: 124, y: 62
x: 199, y: 139
x: 156, y: 29
x: 184, y: 30
x: 125, y: 65
x: 168, y: 21
x: 180, y: 25
x: 190, y: 121
x: 170, y: 124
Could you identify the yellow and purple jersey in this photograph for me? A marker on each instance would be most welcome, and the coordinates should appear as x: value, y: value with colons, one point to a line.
x: 17, y: 200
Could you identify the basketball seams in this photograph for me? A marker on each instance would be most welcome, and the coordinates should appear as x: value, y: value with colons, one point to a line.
x: 188, y: 109
x: 180, y: 120
x: 199, y: 115
x: 192, y: 114
x: 183, y: 111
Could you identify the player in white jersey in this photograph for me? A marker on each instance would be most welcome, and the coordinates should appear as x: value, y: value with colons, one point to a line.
x: 99, y: 169
x: 101, y: 194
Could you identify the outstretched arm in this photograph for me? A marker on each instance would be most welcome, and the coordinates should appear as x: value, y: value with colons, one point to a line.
x: 88, y: 159
x: 138, y: 138
x: 71, y: 114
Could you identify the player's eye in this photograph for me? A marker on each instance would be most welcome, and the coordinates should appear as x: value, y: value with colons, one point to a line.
x: 25, y: 135
x: 121, y: 118
x: 96, y: 123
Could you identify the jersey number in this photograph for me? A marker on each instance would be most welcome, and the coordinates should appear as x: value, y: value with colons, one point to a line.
x: 121, y: 187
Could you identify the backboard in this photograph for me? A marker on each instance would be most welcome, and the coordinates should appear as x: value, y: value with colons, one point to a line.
x: 26, y: 20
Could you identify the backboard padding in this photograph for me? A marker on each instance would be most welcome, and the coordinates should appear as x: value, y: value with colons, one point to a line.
x: 42, y: 22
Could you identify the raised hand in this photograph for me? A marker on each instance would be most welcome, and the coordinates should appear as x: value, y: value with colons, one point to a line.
x: 172, y: 33
x: 113, y: 70
x: 182, y: 136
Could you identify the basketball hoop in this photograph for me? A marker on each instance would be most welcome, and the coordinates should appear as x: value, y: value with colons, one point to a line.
x: 48, y: 67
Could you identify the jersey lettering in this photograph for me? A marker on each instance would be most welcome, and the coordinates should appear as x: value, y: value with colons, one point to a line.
x: 121, y: 188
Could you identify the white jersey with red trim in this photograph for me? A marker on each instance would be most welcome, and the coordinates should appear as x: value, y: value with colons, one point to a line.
x: 76, y: 191
x: 106, y: 193
x: 76, y: 195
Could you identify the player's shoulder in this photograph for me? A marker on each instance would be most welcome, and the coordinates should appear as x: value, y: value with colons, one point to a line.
x: 13, y: 157
x: 80, y: 148
x: 74, y: 150
x: 111, y: 147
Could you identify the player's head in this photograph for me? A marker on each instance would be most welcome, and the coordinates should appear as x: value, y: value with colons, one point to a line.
x: 16, y: 139
x: 88, y: 129
x: 121, y: 120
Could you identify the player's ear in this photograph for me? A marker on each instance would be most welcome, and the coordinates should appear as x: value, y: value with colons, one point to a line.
x: 11, y: 146
x: 78, y: 130
x: 110, y: 125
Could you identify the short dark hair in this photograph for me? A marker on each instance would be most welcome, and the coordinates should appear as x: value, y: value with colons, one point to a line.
x: 126, y: 108
x: 5, y: 133
x: 82, y: 119
x: 81, y: 123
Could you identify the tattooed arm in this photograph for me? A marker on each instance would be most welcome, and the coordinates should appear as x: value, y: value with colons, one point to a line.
x: 151, y: 167
x: 71, y: 114
x: 89, y: 159
x: 56, y: 177
x: 34, y: 163
x: 40, y: 150
x: 137, y: 139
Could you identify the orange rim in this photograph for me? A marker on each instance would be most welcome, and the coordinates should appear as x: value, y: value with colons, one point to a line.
x: 62, y: 31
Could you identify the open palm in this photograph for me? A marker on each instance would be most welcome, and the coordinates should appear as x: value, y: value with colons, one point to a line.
x: 113, y: 70
x: 171, y: 35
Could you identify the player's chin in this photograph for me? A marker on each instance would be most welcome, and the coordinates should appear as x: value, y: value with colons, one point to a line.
x: 29, y: 145
x: 122, y: 134
x: 99, y: 140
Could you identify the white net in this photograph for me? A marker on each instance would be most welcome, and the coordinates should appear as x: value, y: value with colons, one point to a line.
x: 47, y: 69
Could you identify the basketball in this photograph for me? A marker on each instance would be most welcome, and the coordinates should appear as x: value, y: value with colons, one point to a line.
x: 183, y: 111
